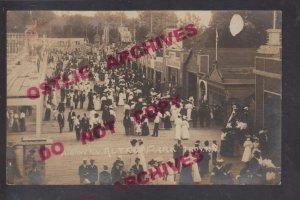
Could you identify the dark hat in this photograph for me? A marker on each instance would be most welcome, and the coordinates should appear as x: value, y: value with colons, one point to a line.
x: 206, y: 143
x: 197, y: 142
x: 134, y: 141
x: 152, y: 162
x: 186, y: 153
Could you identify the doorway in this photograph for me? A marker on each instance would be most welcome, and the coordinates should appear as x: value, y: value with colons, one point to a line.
x: 192, y: 84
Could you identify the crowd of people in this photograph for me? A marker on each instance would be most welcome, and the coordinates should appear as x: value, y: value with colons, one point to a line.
x: 209, y: 165
x: 126, y: 87
x: 16, y: 118
x: 238, y: 139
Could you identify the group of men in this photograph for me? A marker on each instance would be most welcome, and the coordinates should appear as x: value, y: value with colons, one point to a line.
x: 88, y: 174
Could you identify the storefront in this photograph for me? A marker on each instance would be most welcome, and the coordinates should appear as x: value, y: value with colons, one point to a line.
x: 225, y: 91
x: 231, y: 81
x: 158, y: 67
x: 173, y: 65
x: 268, y: 91
x: 196, y: 77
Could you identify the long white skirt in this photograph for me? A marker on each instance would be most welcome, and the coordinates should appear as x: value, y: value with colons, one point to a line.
x: 195, y: 173
x: 185, y: 133
x: 178, y: 132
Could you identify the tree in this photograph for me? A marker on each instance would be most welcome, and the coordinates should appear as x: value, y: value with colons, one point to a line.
x: 192, y: 19
x: 141, y: 33
x: 252, y: 36
x: 16, y: 21
x: 160, y: 21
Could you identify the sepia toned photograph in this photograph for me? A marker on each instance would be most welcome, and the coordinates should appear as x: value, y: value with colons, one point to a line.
x: 128, y: 98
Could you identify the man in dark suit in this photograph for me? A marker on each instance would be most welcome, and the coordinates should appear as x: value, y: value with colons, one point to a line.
x: 81, y: 99
x: 255, y: 168
x: 61, y: 121
x: 78, y: 127
x: 93, y: 172
x: 62, y: 94
x: 137, y: 168
x: 61, y: 107
x: 105, y: 177
x: 263, y: 142
x: 177, y: 154
x: 76, y: 99
x: 84, y: 126
x: 71, y: 118
x: 117, y: 172
x: 83, y: 171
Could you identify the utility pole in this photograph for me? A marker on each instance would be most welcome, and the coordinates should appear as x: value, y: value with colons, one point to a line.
x: 274, y: 19
x: 217, y: 38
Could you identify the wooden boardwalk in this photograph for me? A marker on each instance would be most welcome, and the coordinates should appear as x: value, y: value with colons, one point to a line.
x: 63, y: 169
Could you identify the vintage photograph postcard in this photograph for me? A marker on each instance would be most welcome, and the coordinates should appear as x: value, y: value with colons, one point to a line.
x: 151, y: 97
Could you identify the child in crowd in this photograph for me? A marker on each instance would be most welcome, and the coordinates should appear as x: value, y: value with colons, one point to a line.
x: 138, y: 129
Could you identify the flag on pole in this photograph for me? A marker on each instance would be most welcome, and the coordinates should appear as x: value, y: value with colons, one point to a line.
x: 217, y: 38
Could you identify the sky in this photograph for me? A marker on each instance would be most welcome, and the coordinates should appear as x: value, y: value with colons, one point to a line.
x: 204, y: 15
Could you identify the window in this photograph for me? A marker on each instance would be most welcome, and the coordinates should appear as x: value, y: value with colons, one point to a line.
x: 203, y: 61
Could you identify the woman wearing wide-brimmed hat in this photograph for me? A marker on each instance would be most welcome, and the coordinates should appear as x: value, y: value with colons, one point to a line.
x: 133, y: 152
x: 178, y: 123
x: 185, y: 129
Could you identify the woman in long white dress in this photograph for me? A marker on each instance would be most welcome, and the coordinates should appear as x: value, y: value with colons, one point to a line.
x: 195, y: 171
x: 54, y: 100
x: 189, y: 108
x: 97, y: 103
x: 185, y: 129
x: 133, y: 152
x: 247, y: 155
x: 103, y: 99
x: 106, y: 79
x: 172, y: 173
x: 178, y: 124
x: 122, y: 96
x: 96, y: 77
x: 173, y: 113
x: 141, y: 154
x: 111, y: 97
